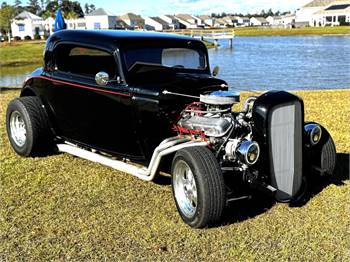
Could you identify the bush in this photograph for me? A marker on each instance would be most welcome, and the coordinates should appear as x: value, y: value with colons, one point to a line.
x: 27, y: 37
x: 17, y: 38
x: 37, y: 37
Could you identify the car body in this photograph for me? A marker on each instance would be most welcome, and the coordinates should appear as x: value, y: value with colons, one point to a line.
x: 145, y: 97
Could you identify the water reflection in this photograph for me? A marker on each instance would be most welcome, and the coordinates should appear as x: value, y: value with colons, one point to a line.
x: 14, y: 76
x: 285, y: 62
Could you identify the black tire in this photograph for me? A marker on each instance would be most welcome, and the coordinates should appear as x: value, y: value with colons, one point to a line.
x: 209, y: 182
x: 323, y: 156
x: 38, y: 138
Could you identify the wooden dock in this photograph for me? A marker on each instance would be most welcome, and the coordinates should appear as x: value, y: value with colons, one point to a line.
x: 210, y: 35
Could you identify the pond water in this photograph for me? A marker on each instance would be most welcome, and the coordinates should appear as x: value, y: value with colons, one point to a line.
x: 265, y: 63
x: 296, y: 62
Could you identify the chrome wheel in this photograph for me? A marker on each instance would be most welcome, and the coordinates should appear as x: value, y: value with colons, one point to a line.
x: 185, y: 188
x: 18, y: 129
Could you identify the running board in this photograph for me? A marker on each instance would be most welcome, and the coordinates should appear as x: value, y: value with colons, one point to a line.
x: 167, y: 147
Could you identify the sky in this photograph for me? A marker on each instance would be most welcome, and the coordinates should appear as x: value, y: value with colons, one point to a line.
x: 158, y: 7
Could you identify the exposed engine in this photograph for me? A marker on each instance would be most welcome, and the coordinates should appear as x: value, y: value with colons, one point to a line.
x: 228, y: 133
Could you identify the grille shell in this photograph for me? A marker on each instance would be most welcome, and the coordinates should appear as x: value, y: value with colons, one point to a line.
x: 285, y: 144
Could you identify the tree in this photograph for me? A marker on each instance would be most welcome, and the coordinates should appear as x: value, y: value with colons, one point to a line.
x: 66, y: 7
x: 7, y: 13
x: 33, y: 6
x: 17, y: 3
x: 89, y: 8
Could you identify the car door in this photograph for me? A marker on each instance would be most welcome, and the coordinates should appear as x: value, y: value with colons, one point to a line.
x: 87, y: 113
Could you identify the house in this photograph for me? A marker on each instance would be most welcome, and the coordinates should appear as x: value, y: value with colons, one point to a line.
x: 79, y: 23
x: 156, y: 23
x: 27, y: 24
x: 228, y: 20
x: 132, y: 20
x: 258, y: 21
x: 288, y: 20
x: 187, y: 21
x: 304, y: 14
x: 336, y: 13
x: 240, y: 21
x: 172, y: 21
x: 220, y: 23
x: 100, y: 19
x: 274, y: 20
x: 207, y: 21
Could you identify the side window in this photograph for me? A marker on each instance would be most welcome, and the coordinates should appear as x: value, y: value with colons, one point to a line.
x: 84, y: 61
x: 21, y: 27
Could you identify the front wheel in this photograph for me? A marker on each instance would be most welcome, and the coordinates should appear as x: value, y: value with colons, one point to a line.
x: 198, y: 186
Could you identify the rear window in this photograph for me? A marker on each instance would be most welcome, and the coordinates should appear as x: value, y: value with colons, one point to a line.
x: 171, y: 57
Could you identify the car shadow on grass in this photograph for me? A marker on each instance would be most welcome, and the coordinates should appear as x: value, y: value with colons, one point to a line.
x: 239, y: 211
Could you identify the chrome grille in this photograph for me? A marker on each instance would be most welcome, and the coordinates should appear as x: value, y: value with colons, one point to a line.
x: 286, y: 150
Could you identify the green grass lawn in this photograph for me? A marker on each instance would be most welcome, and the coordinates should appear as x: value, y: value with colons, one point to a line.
x: 21, y: 53
x: 64, y: 208
x: 255, y: 31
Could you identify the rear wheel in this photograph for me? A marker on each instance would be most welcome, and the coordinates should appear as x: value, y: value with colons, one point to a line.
x: 198, y: 186
x: 27, y: 127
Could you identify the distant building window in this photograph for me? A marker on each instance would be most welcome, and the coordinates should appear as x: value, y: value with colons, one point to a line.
x: 81, y: 25
x: 97, y: 25
x: 21, y: 27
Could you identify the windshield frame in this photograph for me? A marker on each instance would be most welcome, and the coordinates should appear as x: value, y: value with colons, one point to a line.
x: 194, y: 45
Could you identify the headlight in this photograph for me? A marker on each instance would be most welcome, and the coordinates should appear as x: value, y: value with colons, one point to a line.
x: 249, y: 152
x: 314, y: 133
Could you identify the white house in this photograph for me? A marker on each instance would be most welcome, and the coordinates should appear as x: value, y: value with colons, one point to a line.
x: 288, y: 20
x: 156, y: 23
x: 187, y: 21
x: 27, y: 24
x: 171, y: 20
x: 258, y: 21
x: 79, y: 23
x: 132, y: 20
x: 220, y: 23
x: 228, y: 20
x: 100, y: 19
x: 304, y: 14
x: 274, y: 20
x: 207, y: 20
x: 337, y: 13
x: 240, y: 21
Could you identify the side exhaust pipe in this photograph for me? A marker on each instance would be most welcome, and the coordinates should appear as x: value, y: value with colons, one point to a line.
x: 166, y: 147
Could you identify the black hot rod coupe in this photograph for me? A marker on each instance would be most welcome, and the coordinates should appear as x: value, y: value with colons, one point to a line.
x: 118, y: 98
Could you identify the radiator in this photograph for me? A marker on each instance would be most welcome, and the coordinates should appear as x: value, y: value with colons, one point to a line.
x: 285, y: 143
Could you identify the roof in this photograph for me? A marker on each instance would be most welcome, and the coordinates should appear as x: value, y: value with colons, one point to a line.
x: 185, y: 17
x: 318, y: 3
x: 220, y: 21
x: 336, y: 8
x: 160, y: 21
x: 261, y: 19
x: 131, y: 16
x: 112, y: 36
x: 100, y: 12
x: 205, y: 17
x: 171, y: 17
x: 28, y: 15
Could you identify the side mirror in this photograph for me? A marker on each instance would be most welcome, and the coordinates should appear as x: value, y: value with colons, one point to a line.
x: 102, y: 78
x: 216, y: 71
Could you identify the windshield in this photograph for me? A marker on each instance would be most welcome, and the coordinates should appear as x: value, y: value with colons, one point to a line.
x: 185, y: 58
